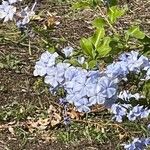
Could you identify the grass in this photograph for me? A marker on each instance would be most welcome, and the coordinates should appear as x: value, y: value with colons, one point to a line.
x: 9, y: 62
x: 102, y: 132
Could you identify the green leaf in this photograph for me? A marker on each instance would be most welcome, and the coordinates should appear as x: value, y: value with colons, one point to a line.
x: 74, y: 62
x: 99, y: 23
x: 146, y: 49
x: 97, y: 37
x: 87, y: 47
x: 146, y: 45
x: 51, y: 49
x: 135, y: 32
x: 114, y: 13
x: 81, y: 5
x: 104, y: 49
x: 92, y: 64
x: 94, y: 3
x: 85, y: 65
x: 146, y: 91
x: 113, y: 2
x: 146, y: 40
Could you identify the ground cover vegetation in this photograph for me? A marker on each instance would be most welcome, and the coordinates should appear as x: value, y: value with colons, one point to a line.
x: 75, y: 74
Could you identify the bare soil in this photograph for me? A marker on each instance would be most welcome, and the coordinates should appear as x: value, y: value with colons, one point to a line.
x: 18, y: 84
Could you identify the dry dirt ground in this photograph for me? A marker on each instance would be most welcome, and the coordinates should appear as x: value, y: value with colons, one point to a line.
x: 17, y: 83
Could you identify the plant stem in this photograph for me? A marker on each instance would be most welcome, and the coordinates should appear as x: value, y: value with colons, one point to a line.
x: 106, y: 19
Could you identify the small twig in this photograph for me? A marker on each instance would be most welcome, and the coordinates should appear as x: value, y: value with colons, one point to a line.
x: 99, y: 110
x: 89, y: 122
x: 100, y: 124
x: 13, y: 33
x: 8, y: 125
x: 30, y: 53
x: 117, y: 125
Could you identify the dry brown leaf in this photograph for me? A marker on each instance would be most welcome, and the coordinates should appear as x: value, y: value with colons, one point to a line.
x: 56, y: 119
x: 121, y: 136
x: 51, y: 109
x: 43, y: 122
x: 54, y: 122
x: 74, y: 114
x: 50, y: 20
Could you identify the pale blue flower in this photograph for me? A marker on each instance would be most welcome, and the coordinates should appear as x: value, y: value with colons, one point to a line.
x: 49, y: 58
x: 128, y: 56
x: 85, y: 86
x: 77, y: 78
x: 134, y: 61
x: 81, y: 60
x: 80, y: 83
x: 26, y: 14
x: 126, y: 95
x: 68, y: 51
x: 93, y: 89
x: 144, y: 61
x: 138, y: 144
x: 82, y: 105
x: 108, y: 87
x: 94, y: 75
x: 46, y: 61
x: 13, y: 1
x: 62, y: 67
x: 98, y: 98
x: 117, y: 70
x: 40, y: 69
x: 138, y: 112
x: 45, y: 57
x: 54, y: 77
x: 7, y: 11
x: 70, y: 73
x: 119, y: 112
x: 72, y: 97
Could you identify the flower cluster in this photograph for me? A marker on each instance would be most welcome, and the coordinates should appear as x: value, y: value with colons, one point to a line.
x: 85, y: 88
x: 128, y: 62
x: 9, y: 12
x: 132, y: 113
x: 119, y: 111
x: 126, y: 95
x: 138, y: 144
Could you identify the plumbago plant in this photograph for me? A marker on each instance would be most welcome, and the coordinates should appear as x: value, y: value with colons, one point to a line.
x: 9, y: 11
x: 86, y: 88
x: 104, y: 47
x: 122, y: 86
